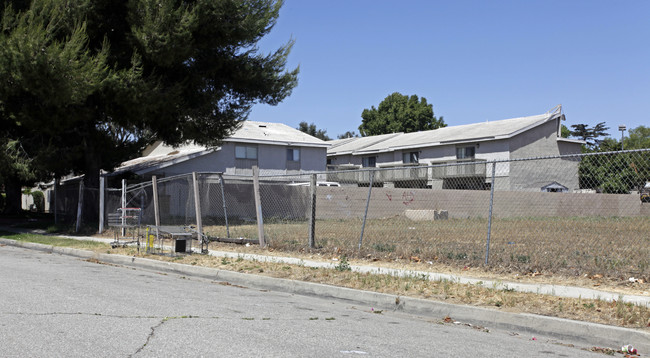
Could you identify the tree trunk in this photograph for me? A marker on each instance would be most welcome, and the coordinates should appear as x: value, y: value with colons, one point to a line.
x: 13, y: 188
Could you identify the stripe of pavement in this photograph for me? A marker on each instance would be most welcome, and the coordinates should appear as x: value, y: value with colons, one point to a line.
x: 558, y: 328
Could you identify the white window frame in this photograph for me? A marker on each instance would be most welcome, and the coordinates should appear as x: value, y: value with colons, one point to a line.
x: 245, y: 152
x: 408, y: 157
x: 365, y: 162
x: 461, y: 152
x: 293, y: 154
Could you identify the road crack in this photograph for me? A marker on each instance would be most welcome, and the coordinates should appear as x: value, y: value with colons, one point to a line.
x: 151, y: 334
x: 153, y: 331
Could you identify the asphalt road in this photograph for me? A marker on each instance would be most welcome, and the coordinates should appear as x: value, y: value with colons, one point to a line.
x: 60, y: 306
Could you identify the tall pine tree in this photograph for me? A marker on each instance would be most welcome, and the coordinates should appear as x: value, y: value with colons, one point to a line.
x: 85, y: 84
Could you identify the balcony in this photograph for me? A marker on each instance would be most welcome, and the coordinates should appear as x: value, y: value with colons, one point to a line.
x: 459, y: 168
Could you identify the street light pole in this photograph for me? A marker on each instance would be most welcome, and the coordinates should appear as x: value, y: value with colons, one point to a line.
x: 622, y: 128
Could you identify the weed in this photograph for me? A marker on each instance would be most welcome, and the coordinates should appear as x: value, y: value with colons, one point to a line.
x: 343, y: 265
x: 383, y: 247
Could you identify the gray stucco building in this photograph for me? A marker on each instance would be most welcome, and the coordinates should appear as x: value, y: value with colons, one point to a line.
x: 472, y: 147
x: 275, y: 148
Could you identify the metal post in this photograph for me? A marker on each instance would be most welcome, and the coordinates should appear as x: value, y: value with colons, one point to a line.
x: 156, y: 210
x: 80, y: 203
x: 122, y: 213
x: 197, y: 209
x: 312, y: 216
x: 223, y: 199
x: 622, y: 128
x: 258, y: 206
x: 365, y: 215
x: 102, y: 183
x: 56, y: 211
x: 489, y: 231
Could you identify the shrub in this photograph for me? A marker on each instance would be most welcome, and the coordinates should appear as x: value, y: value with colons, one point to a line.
x: 39, y: 200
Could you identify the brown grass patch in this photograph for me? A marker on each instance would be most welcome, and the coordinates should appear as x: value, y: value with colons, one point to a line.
x: 612, y: 313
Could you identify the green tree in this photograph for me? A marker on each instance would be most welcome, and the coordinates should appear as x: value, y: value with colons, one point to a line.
x: 399, y: 113
x: 313, y: 131
x: 15, y: 170
x: 348, y: 134
x: 638, y: 138
x: 617, y: 173
x: 614, y: 173
x: 85, y: 84
x: 590, y: 135
x: 565, y: 132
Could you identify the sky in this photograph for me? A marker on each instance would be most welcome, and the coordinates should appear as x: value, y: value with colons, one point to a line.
x: 474, y: 61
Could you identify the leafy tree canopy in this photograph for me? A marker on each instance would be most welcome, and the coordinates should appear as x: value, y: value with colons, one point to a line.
x: 348, y: 134
x: 638, y: 138
x: 617, y: 173
x: 565, y: 132
x: 399, y: 113
x: 312, y: 131
x: 590, y: 135
x: 86, y: 84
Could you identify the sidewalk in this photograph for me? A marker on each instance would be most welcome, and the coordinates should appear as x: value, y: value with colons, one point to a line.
x: 546, y: 289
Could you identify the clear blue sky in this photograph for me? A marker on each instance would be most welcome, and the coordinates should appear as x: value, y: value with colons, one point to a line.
x: 473, y: 60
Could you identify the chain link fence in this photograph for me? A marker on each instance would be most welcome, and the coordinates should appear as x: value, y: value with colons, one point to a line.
x: 575, y: 215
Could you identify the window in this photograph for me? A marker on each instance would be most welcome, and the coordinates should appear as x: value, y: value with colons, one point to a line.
x: 245, y: 152
x: 465, y: 152
x: 412, y: 157
x: 369, y: 162
x: 293, y: 154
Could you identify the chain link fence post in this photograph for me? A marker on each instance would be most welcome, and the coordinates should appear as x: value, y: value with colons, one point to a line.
x: 312, y: 216
x: 123, y: 206
x: 489, y: 228
x: 197, y: 209
x: 80, y: 204
x: 156, y: 212
x: 258, y: 206
x: 223, y: 200
x: 365, y: 215
x: 102, y: 209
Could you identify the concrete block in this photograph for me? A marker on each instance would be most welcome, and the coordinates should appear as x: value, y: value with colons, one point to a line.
x: 426, y: 215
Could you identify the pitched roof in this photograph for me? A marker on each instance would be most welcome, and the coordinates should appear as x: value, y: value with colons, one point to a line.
x: 274, y: 134
x: 351, y: 145
x: 160, y: 155
x: 475, y: 132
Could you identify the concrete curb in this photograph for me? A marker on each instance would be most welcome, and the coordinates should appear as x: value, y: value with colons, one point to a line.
x: 589, y: 334
x: 546, y: 289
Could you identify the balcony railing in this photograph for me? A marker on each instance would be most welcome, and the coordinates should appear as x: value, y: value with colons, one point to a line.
x: 408, y: 172
x: 458, y: 168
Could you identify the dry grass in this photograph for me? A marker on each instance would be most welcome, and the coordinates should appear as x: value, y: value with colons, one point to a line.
x: 612, y: 247
x: 612, y: 313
